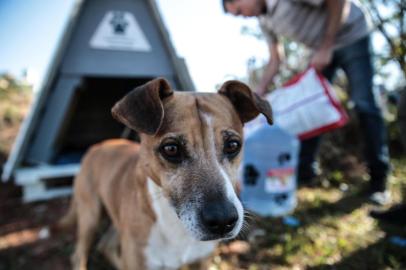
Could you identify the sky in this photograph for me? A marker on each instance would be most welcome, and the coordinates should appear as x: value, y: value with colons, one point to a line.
x: 210, y: 41
x: 28, y: 33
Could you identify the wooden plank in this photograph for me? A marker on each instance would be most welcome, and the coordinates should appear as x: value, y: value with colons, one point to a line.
x: 38, y: 192
x: 31, y: 176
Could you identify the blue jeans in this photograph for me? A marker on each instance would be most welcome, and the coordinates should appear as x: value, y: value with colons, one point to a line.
x: 356, y: 61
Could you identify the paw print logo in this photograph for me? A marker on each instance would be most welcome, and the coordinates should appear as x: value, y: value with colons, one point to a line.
x: 119, y: 23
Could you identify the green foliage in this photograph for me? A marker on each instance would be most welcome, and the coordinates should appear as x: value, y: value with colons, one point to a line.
x: 15, y: 98
x: 389, y: 19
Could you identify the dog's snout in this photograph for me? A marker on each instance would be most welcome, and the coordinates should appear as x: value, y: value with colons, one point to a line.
x: 219, y: 217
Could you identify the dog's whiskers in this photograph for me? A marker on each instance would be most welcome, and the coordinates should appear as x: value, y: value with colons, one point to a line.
x: 243, y: 232
x: 248, y: 215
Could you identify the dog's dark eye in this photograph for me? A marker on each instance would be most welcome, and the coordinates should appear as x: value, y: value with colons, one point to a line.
x: 171, y: 152
x: 231, y: 148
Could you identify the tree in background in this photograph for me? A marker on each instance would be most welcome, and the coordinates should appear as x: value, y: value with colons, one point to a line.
x: 15, y: 98
x: 293, y: 63
x: 389, y: 19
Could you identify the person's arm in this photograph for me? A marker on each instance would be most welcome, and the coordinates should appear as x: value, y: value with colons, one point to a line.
x: 324, y: 53
x: 275, y: 57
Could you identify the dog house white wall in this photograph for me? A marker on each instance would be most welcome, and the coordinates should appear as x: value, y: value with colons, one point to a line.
x: 84, y: 55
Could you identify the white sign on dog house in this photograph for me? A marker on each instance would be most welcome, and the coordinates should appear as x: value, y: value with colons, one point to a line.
x: 119, y: 30
x: 108, y: 48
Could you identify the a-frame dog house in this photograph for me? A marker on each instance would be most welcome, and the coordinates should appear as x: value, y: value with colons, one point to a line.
x: 108, y: 48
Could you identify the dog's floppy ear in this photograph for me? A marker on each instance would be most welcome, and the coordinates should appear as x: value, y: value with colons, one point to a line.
x: 247, y: 103
x: 142, y: 108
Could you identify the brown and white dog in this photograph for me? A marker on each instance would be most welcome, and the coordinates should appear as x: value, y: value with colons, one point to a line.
x: 172, y: 197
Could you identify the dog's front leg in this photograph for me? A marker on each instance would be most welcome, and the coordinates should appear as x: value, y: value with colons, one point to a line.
x: 109, y: 246
x: 87, y: 226
x: 131, y: 254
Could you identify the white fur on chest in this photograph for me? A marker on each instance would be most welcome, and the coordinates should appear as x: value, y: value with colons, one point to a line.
x: 170, y: 245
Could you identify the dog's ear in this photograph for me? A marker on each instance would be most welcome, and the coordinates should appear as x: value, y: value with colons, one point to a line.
x: 246, y: 102
x: 142, y: 108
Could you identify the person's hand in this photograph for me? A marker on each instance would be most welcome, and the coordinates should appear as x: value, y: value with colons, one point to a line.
x: 322, y: 58
x: 261, y: 91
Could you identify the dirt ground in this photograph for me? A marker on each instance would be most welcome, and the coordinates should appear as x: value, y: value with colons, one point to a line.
x: 20, y: 246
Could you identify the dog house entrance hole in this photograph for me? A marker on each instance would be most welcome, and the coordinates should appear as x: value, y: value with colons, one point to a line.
x: 89, y: 118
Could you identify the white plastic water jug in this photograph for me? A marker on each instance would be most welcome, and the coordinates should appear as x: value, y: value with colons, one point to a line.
x: 269, y: 171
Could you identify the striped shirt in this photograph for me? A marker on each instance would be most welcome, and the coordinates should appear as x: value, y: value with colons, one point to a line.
x: 305, y: 21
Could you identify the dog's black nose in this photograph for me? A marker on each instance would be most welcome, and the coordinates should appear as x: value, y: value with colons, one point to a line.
x: 219, y: 217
